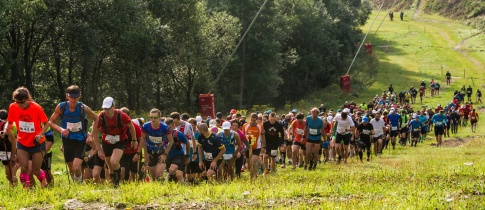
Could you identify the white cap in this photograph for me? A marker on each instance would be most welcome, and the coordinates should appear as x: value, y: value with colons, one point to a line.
x: 135, y: 121
x: 108, y: 102
x: 212, y: 123
x: 226, y: 125
x: 198, y: 119
x: 346, y: 110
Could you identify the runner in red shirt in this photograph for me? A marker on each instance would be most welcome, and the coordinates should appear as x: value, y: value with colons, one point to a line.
x: 29, y: 118
x: 114, y: 124
x: 130, y: 165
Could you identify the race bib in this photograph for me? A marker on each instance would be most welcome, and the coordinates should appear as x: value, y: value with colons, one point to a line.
x: 155, y: 139
x: 416, y: 129
x: 378, y: 131
x: 394, y: 128
x: 74, y: 127
x: 473, y: 118
x: 313, y: 131
x: 439, y: 123
x: 274, y: 152
x: 226, y: 156
x: 5, y: 156
x: 366, y: 132
x: 300, y: 131
x: 26, y: 127
x: 112, y: 139
x: 208, y: 155
x: 252, y: 140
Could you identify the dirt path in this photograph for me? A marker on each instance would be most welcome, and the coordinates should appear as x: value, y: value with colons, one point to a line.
x: 460, y: 45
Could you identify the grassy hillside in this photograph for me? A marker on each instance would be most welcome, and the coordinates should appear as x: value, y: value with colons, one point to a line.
x: 413, y: 50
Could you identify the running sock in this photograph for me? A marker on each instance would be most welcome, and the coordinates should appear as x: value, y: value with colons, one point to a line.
x: 78, y: 179
x: 25, y: 179
x: 361, y: 154
x: 368, y: 154
x: 117, y: 176
x: 41, y: 177
x: 284, y: 157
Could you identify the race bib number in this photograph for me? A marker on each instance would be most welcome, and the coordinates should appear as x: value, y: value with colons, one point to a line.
x: 300, y: 131
x: 74, y: 127
x: 5, y: 156
x: 473, y: 118
x: 112, y: 139
x: 225, y: 156
x: 155, y: 139
x: 313, y: 131
x: 274, y: 152
x: 26, y: 127
x: 208, y: 156
x: 416, y: 129
x: 366, y: 132
x: 394, y: 128
x: 378, y: 131
x: 252, y: 140
x: 439, y: 123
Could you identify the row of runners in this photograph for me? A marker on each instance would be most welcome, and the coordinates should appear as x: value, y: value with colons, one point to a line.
x: 191, y: 149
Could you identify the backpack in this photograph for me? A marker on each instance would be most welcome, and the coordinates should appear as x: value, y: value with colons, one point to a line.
x: 119, y: 125
x: 82, y: 114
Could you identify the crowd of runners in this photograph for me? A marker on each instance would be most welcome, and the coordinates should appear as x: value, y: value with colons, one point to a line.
x: 122, y: 148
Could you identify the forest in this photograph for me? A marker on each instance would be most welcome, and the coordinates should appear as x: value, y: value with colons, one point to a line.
x: 164, y: 53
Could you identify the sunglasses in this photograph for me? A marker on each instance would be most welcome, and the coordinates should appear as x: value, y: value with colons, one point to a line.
x: 154, y: 117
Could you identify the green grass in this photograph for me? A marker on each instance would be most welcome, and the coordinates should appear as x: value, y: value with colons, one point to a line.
x: 410, y: 51
x: 408, y: 178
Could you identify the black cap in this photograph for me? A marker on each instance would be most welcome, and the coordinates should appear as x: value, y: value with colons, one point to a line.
x: 74, y: 93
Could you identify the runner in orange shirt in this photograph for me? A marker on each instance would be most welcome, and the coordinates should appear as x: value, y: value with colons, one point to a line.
x: 28, y: 116
x: 254, y: 132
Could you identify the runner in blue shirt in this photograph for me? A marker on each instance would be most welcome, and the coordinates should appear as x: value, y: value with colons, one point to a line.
x: 395, y: 124
x: 211, y: 147
x: 178, y: 157
x: 424, y: 125
x: 439, y: 121
x: 415, y: 126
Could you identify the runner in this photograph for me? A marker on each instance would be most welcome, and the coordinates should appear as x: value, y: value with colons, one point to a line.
x: 479, y: 96
x: 395, y: 123
x: 193, y: 172
x: 296, y: 132
x: 274, y: 135
x: 455, y: 121
x: 156, y: 141
x: 473, y: 120
x: 211, y: 147
x: 29, y: 116
x: 415, y: 126
x: 47, y: 162
x: 114, y: 124
x: 232, y: 143
x: 424, y: 125
x: 8, y: 143
x: 469, y: 92
x: 242, y: 148
x: 129, y: 167
x: 178, y: 157
x: 364, y: 132
x: 286, y: 146
x: 421, y: 93
x: 344, y: 127
x: 448, y: 77
x: 379, y: 126
x: 439, y: 121
x: 73, y: 129
x: 254, y: 132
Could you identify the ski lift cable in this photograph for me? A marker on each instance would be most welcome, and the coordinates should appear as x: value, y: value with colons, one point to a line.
x: 363, y: 40
x: 239, y: 43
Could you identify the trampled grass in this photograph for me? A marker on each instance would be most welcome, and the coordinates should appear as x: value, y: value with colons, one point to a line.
x: 425, y: 177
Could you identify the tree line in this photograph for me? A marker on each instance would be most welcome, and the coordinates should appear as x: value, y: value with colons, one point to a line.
x: 163, y: 53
